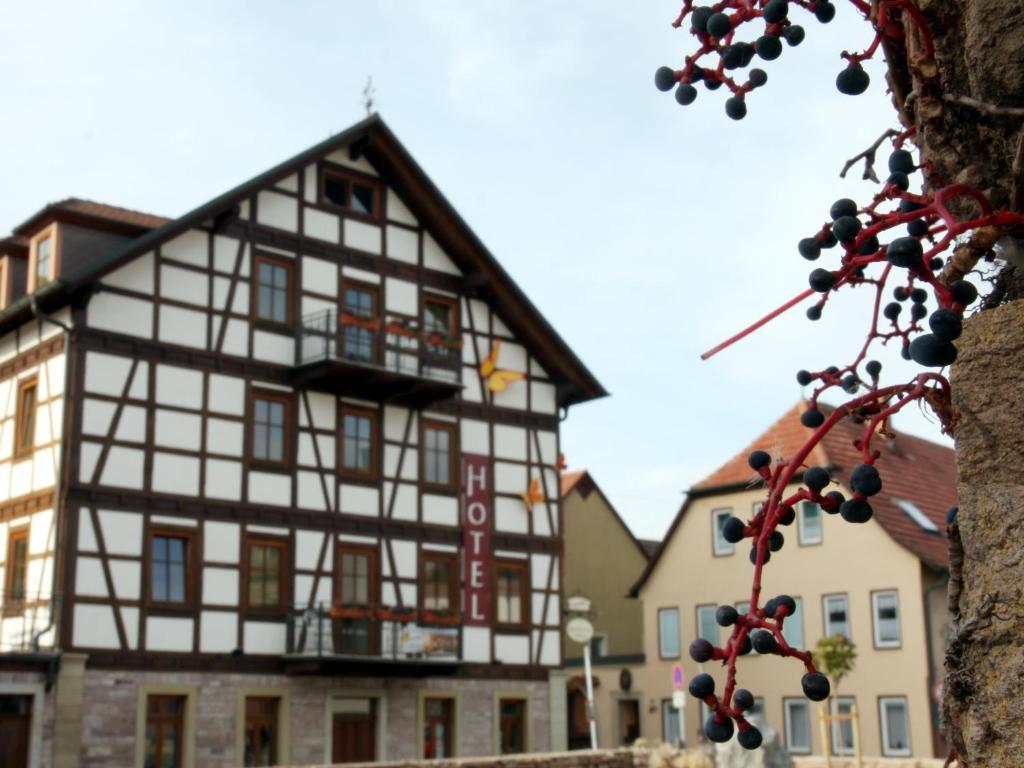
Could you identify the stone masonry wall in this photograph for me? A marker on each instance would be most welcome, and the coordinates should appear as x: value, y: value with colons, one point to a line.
x: 15, y: 683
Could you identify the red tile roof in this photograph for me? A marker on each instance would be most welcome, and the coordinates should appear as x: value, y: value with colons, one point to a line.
x: 93, y: 210
x: 569, y: 480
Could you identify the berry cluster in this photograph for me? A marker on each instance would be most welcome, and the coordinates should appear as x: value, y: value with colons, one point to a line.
x: 716, y: 27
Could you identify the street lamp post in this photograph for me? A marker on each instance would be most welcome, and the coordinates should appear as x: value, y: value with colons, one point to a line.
x: 580, y: 630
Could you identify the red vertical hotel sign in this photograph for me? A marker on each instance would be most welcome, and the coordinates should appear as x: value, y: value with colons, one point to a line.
x: 476, y: 545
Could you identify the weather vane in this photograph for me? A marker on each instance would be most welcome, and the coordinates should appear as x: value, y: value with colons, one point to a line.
x: 368, y: 93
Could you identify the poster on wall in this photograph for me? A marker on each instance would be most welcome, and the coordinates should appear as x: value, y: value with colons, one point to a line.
x: 476, y: 544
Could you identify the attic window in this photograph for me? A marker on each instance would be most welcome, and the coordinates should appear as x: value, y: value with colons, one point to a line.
x: 42, y: 258
x: 353, y: 193
x: 916, y: 515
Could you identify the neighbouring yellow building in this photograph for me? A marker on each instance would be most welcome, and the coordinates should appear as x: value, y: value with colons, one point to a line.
x: 882, y: 584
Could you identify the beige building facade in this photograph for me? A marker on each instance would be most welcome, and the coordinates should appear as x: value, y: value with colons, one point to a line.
x: 882, y: 584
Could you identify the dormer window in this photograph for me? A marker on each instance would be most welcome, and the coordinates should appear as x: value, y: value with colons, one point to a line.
x: 42, y: 260
x: 355, y: 194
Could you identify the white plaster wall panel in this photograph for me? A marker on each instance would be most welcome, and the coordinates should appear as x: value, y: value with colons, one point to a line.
x: 481, y: 315
x: 220, y: 586
x: 190, y: 247
x: 498, y: 328
x: 512, y: 649
x: 175, y: 474
x: 236, y: 339
x: 96, y: 416
x: 270, y: 530
x: 476, y: 644
x: 307, y: 549
x: 362, y: 236
x: 311, y: 179
x: 551, y: 652
x: 537, y: 608
x: 388, y: 595
x: 179, y: 386
x: 306, y: 455
x: 321, y: 225
x: 136, y: 275
x: 405, y: 502
x: 55, y: 374
x: 130, y: 620
x: 408, y: 594
x: 44, y: 429
x: 441, y: 510
x: 405, y: 558
x: 509, y: 478
x: 86, y: 535
x: 319, y: 276
x: 279, y: 211
x: 474, y: 437
x: 42, y: 532
x: 89, y: 454
x: 184, y: 285
x: 542, y: 397
x: 132, y: 426
x: 342, y: 157
x: 122, y: 532
x: 127, y: 578
x: 513, y: 397
x: 395, y: 424
x: 226, y: 394
x: 89, y: 579
x: 324, y: 592
x: 326, y: 446
x: 273, y: 347
x: 182, y: 326
x: 403, y: 245
x: 510, y: 516
x: 359, y: 500
x: 469, y: 350
x: 541, y: 527
x: 225, y: 253
x: 28, y: 336
x: 221, y: 289
x: 218, y: 631
x: 106, y: 374
x: 183, y: 522
x: 289, y: 183
x: 270, y: 488
x: 264, y: 637
x: 220, y: 542
x: 512, y: 356
x: 402, y: 297
x: 398, y: 211
x: 310, y: 305
x: 223, y: 480
x: 553, y: 618
x: 361, y: 275
x: 509, y: 442
x: 243, y: 209
x: 120, y: 314
x: 5, y: 481
x: 410, y: 462
x: 223, y: 436
x: 94, y: 627
x: 44, y: 471
x: 471, y: 391
x: 539, y: 566
x: 537, y: 371
x: 435, y: 258
x: 39, y: 576
x: 322, y: 408
x: 124, y: 468
x: 303, y: 586
x: 164, y: 633
x: 175, y: 429
x: 311, y: 491
x: 8, y: 346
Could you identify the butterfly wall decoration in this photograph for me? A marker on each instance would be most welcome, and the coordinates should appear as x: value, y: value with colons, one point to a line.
x: 498, y: 379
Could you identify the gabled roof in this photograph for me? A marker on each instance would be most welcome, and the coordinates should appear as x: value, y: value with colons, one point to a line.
x: 93, y: 211
x: 584, y: 484
x: 912, y: 469
x: 373, y: 139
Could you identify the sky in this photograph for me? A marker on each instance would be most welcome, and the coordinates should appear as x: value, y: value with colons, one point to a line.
x: 646, y: 232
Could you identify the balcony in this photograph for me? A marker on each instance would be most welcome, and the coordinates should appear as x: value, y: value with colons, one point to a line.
x: 376, y: 360
x: 397, y: 642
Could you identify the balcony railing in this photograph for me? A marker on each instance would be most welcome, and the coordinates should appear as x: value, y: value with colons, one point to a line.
x: 27, y: 622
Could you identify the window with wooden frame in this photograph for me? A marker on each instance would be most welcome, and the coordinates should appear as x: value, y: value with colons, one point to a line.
x: 5, y: 281
x: 512, y: 721
x: 165, y: 725
x: 43, y: 257
x: 441, y: 317
x: 25, y: 417
x: 171, y: 578
x: 270, y: 428
x: 360, y: 321
x: 273, y: 290
x: 438, y: 455
x: 438, y: 727
x: 352, y: 192
x: 360, y: 442
x: 439, y: 582
x: 16, y: 571
x: 356, y: 591
x: 266, y: 574
x: 261, y: 730
x: 511, y: 588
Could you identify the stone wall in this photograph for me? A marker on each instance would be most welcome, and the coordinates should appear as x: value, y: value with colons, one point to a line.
x: 601, y: 758
x: 870, y: 762
x: 32, y: 683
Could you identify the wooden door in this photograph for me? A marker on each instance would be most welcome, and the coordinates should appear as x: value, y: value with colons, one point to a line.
x: 356, y: 630
x: 629, y: 721
x: 354, y: 737
x: 15, y: 719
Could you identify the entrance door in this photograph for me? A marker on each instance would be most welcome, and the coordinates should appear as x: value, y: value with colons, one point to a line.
x: 15, y: 719
x: 579, y: 726
x: 629, y: 721
x: 354, y: 737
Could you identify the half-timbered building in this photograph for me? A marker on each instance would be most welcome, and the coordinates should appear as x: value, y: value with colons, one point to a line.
x: 278, y: 478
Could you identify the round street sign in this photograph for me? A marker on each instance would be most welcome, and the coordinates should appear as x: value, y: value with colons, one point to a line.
x: 579, y: 630
x: 677, y: 677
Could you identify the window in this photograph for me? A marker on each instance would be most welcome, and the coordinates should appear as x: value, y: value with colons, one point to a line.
x: 165, y: 723
x: 261, y: 730
x: 272, y: 283
x: 797, y: 715
x: 356, y: 596
x: 354, y: 193
x: 25, y: 417
x: 598, y: 646
x: 513, y: 726
x: 16, y: 568
x: 672, y: 728
x: 668, y: 633
x: 169, y: 568
x: 842, y: 730
x: 837, y: 616
x: 438, y: 591
x: 885, y: 607
x: 271, y: 425
x: 707, y: 627
x: 43, y: 258
x: 438, y: 452
x: 895, y: 724
x: 440, y: 317
x: 5, y: 282
x: 266, y: 569
x: 720, y: 545
x: 359, y: 442
x: 360, y: 310
x: 809, y: 523
x: 510, y: 592
x: 438, y: 723
x: 793, y: 626
x: 914, y: 513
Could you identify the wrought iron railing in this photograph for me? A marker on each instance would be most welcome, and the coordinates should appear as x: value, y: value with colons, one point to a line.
x: 395, y: 346
x: 27, y: 621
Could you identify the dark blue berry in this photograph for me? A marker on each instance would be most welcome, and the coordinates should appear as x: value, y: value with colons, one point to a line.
x: 809, y: 248
x: 917, y: 228
x: 732, y: 530
x: 718, y: 732
x: 963, y: 292
x: 763, y: 640
x: 816, y: 686
x: 951, y: 515
x: 869, y: 246
x: 776, y: 540
x: 918, y: 311
x: 900, y: 293
x: 742, y: 699
x: 699, y: 18
x: 686, y: 94
x: 873, y: 368
x: 665, y: 78
x: 837, y: 500
x: 786, y: 605
x: 909, y: 206
x: 702, y: 685
x: 749, y: 737
x: 812, y: 418
x: 803, y: 378
x: 821, y: 280
x: 814, y: 313
x: 758, y: 77
x: 759, y: 459
x: 845, y: 228
x: 787, y: 517
x: 865, y: 480
x: 768, y: 47
x: 825, y: 12
x: 718, y: 25
x: 775, y: 11
x: 753, y: 555
x: 850, y: 383
x: 919, y: 295
x: 901, y: 161
x: 726, y: 615
x: 855, y: 511
x: 904, y: 252
x: 892, y: 310
x: 736, y: 108
x: 844, y: 206
x: 701, y: 650
x: 816, y: 478
x: 946, y: 324
x: 853, y: 81
x: 931, y: 351
x: 794, y: 34
x: 900, y: 180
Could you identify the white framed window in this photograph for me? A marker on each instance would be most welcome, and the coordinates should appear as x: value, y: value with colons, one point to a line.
x: 885, y: 610
x: 756, y: 713
x: 836, y: 610
x: 793, y: 626
x: 895, y: 723
x: 720, y: 545
x: 797, y: 716
x: 668, y: 633
x: 598, y: 646
x: 707, y: 627
x: 842, y: 730
x: 673, y: 724
x: 705, y: 713
x: 809, y: 524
